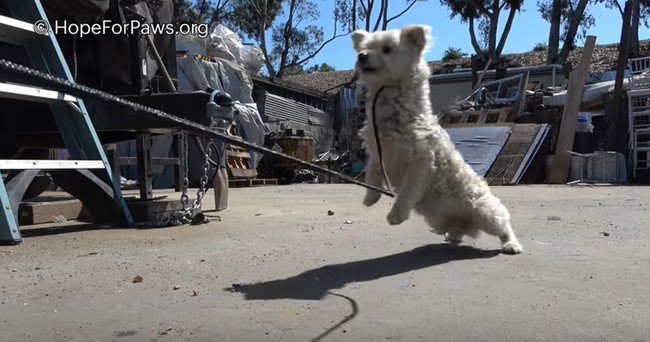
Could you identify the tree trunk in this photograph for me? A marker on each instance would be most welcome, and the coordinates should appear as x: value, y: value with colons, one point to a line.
x: 633, y: 50
x: 576, y: 19
x: 262, y: 13
x: 494, y: 25
x: 554, y: 33
x: 288, y: 31
x: 354, y: 15
x: 505, y: 33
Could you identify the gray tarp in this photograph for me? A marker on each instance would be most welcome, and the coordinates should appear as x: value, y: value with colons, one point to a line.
x: 197, y: 74
x: 479, y: 146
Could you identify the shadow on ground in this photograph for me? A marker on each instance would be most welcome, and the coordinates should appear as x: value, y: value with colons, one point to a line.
x: 63, y: 229
x: 315, y: 284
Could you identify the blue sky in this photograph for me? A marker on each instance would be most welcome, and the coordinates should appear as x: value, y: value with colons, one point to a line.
x: 527, y: 30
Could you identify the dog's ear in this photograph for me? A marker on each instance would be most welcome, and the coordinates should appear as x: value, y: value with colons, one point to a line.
x: 417, y: 37
x: 358, y: 36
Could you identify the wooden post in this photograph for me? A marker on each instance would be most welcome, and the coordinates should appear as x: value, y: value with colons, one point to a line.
x: 562, y: 159
x: 145, y: 173
x: 612, y: 131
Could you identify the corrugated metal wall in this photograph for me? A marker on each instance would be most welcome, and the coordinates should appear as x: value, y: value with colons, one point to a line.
x: 280, y: 108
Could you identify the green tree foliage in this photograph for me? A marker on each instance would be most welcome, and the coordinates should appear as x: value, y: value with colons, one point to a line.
x: 485, y: 40
x: 453, y: 53
x: 209, y: 12
x: 293, y: 39
x: 540, y: 47
x: 316, y: 68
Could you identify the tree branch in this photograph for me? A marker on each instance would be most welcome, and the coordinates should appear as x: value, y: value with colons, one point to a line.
x: 384, y: 20
x: 382, y: 9
x: 371, y: 4
x: 576, y: 19
x: 472, y: 34
x: 364, y: 8
x: 401, y: 13
x: 313, y: 54
x: 620, y: 9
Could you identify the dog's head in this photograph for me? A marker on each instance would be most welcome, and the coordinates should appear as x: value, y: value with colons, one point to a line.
x: 390, y: 56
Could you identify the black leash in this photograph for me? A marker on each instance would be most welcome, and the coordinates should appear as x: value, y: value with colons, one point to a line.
x: 82, y: 91
x: 377, y: 140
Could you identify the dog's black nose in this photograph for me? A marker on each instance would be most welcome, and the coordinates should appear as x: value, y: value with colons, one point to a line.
x: 363, y: 57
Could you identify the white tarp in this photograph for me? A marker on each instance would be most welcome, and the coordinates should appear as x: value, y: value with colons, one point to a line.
x: 224, y: 44
x: 197, y: 74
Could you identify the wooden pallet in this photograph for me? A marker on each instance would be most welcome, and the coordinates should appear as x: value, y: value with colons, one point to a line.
x: 498, y: 115
x: 237, y: 163
x: 246, y: 183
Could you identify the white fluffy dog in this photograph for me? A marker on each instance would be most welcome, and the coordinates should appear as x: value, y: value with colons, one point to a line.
x: 421, y: 162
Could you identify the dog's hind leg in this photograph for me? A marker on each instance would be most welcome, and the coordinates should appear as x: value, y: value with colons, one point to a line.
x: 495, y: 220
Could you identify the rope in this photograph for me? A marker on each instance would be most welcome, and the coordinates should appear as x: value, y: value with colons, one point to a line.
x: 82, y: 91
x: 377, y: 140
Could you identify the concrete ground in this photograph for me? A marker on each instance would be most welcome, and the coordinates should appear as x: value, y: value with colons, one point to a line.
x: 278, y: 267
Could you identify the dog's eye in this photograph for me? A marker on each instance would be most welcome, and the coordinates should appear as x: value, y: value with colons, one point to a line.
x: 386, y: 49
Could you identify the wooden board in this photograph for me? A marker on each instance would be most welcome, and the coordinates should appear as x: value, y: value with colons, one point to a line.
x: 53, y: 211
x: 245, y: 183
x: 562, y: 159
x: 513, y: 154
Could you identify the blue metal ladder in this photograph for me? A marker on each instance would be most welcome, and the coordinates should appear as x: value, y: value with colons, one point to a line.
x: 73, y: 122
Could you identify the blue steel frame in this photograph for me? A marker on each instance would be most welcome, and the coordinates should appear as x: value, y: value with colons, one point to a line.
x: 74, y: 124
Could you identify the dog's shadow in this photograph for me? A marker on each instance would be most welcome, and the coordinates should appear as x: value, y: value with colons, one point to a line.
x: 315, y: 284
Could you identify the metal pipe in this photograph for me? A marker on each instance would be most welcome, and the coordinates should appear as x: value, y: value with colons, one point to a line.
x: 160, y: 63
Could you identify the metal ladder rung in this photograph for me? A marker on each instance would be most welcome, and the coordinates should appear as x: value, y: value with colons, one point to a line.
x: 16, y: 32
x: 26, y: 164
x: 29, y: 93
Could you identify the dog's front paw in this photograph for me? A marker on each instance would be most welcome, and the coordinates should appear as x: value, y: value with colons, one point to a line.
x: 397, y: 216
x: 512, y: 247
x: 371, y: 198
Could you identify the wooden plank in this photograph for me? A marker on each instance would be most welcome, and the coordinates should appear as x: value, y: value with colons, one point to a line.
x: 50, y: 212
x: 513, y: 154
x: 503, y: 114
x: 483, y: 117
x: 245, y: 183
x: 243, y: 173
x: 562, y: 158
x: 238, y: 154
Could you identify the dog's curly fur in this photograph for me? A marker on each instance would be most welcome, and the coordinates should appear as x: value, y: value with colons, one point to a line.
x: 426, y: 171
